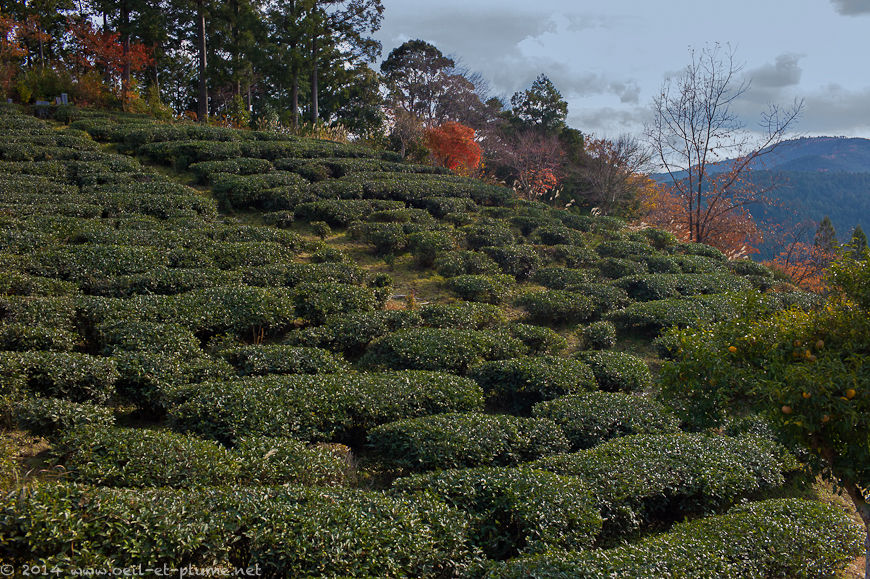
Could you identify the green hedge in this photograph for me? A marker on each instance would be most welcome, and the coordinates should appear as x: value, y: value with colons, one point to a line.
x: 465, y: 440
x: 462, y: 315
x: 440, y: 349
x: 538, y: 339
x: 288, y: 532
x: 517, y: 384
x: 617, y: 267
x: 267, y: 191
x: 50, y: 416
x: 479, y: 236
x: 775, y: 538
x: 617, y: 371
x: 21, y: 337
x: 119, y: 336
x: 560, y: 278
x: 515, y: 510
x: 427, y: 245
x: 14, y: 283
x: 271, y: 461
x: 520, y: 261
x: 318, y: 407
x: 387, y: 238
x: 556, y: 307
x: 490, y: 289
x: 623, y: 249
x: 135, y: 457
x: 643, y: 479
x: 317, y: 301
x: 454, y: 263
x: 277, y: 359
x: 665, y: 285
x: 592, y: 418
x: 341, y: 212
x: 208, y: 170
x: 599, y: 335
x: 71, y: 376
x: 352, y: 332
x: 558, y: 235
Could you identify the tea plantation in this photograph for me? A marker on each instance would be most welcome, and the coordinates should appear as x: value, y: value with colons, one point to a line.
x: 242, y: 348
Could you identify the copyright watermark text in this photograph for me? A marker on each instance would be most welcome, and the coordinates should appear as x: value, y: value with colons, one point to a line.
x: 131, y: 571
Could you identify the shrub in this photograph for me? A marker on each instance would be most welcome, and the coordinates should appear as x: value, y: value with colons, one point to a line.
x: 116, y: 336
x: 277, y: 359
x: 288, y: 532
x: 387, y: 238
x: 50, y: 416
x: 208, y: 170
x: 71, y: 376
x: 575, y: 256
x: 592, y: 418
x: 520, y: 261
x: 280, y: 219
x: 341, y: 212
x: 516, y: 384
x: 556, y: 307
x: 21, y: 284
x: 440, y: 349
x: 20, y: 338
x: 427, y: 245
x: 640, y: 479
x: 664, y: 285
x: 454, y: 263
x: 293, y: 274
x: 465, y: 440
x: 441, y: 207
x: 701, y: 250
x: 462, y: 315
x: 270, y: 461
x: 558, y: 235
x: 268, y: 191
x: 560, y: 278
x: 661, y: 264
x: 597, y: 336
x: 148, y: 379
x: 617, y: 371
x: 126, y: 457
x: 480, y: 236
x: 490, y: 289
x: 352, y: 332
x: 316, y: 301
x: 538, y: 339
x: 773, y: 538
x: 318, y: 407
x: 658, y: 238
x: 617, y: 267
x: 515, y: 510
x: 623, y: 249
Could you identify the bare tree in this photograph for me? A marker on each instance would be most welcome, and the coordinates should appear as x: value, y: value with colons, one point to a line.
x: 695, y: 128
x: 614, y: 170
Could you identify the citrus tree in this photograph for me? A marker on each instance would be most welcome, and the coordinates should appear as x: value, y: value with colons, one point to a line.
x: 807, y: 372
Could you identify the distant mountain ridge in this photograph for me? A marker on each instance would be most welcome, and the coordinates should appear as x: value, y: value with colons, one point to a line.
x: 817, y: 176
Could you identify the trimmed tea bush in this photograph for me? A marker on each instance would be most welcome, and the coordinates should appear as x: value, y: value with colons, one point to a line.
x: 352, y: 332
x: 316, y: 301
x: 288, y: 532
x: 465, y: 440
x: 575, y: 256
x: 560, y: 278
x: 276, y: 359
x: 516, y: 384
x: 490, y: 289
x: 515, y: 510
x: 20, y: 338
x: 520, y: 261
x: 479, y: 236
x: 318, y: 407
x: 592, y: 418
x: 71, y: 376
x: 427, y: 245
x: 462, y: 315
x: 49, y: 416
x: 273, y: 461
x: 454, y: 263
x: 617, y: 371
x: 538, y: 339
x: 774, y: 538
x: 597, y: 336
x: 135, y: 457
x: 556, y: 307
x: 116, y: 336
x: 640, y: 479
x: 440, y: 349
x: 617, y: 267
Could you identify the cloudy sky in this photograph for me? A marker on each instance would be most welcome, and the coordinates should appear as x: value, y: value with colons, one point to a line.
x: 610, y: 58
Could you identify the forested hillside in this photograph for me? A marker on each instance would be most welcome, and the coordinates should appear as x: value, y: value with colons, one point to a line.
x: 241, y: 348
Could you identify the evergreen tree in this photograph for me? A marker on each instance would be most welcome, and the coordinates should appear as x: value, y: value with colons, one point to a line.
x: 826, y: 237
x: 858, y: 243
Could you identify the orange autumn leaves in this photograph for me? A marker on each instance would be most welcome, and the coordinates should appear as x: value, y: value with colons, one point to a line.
x: 453, y: 145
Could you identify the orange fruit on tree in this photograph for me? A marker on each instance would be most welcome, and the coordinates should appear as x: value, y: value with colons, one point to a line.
x: 806, y: 394
x: 786, y: 410
x: 732, y: 349
x: 851, y: 393
x: 825, y: 418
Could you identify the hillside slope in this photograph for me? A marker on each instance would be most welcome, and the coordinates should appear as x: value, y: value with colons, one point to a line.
x: 244, y: 348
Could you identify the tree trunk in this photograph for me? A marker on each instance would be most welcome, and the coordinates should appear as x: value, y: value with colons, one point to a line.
x: 236, y: 49
x: 315, y: 113
x: 294, y: 97
x: 863, y: 508
x: 125, y: 48
x: 202, y: 100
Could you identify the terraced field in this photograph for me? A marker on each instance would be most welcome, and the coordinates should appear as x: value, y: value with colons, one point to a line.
x: 246, y: 349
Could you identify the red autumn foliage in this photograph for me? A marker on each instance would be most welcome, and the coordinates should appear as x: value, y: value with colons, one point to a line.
x: 104, y: 51
x: 452, y: 145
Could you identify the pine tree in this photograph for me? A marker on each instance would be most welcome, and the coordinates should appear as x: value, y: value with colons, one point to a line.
x: 858, y: 243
